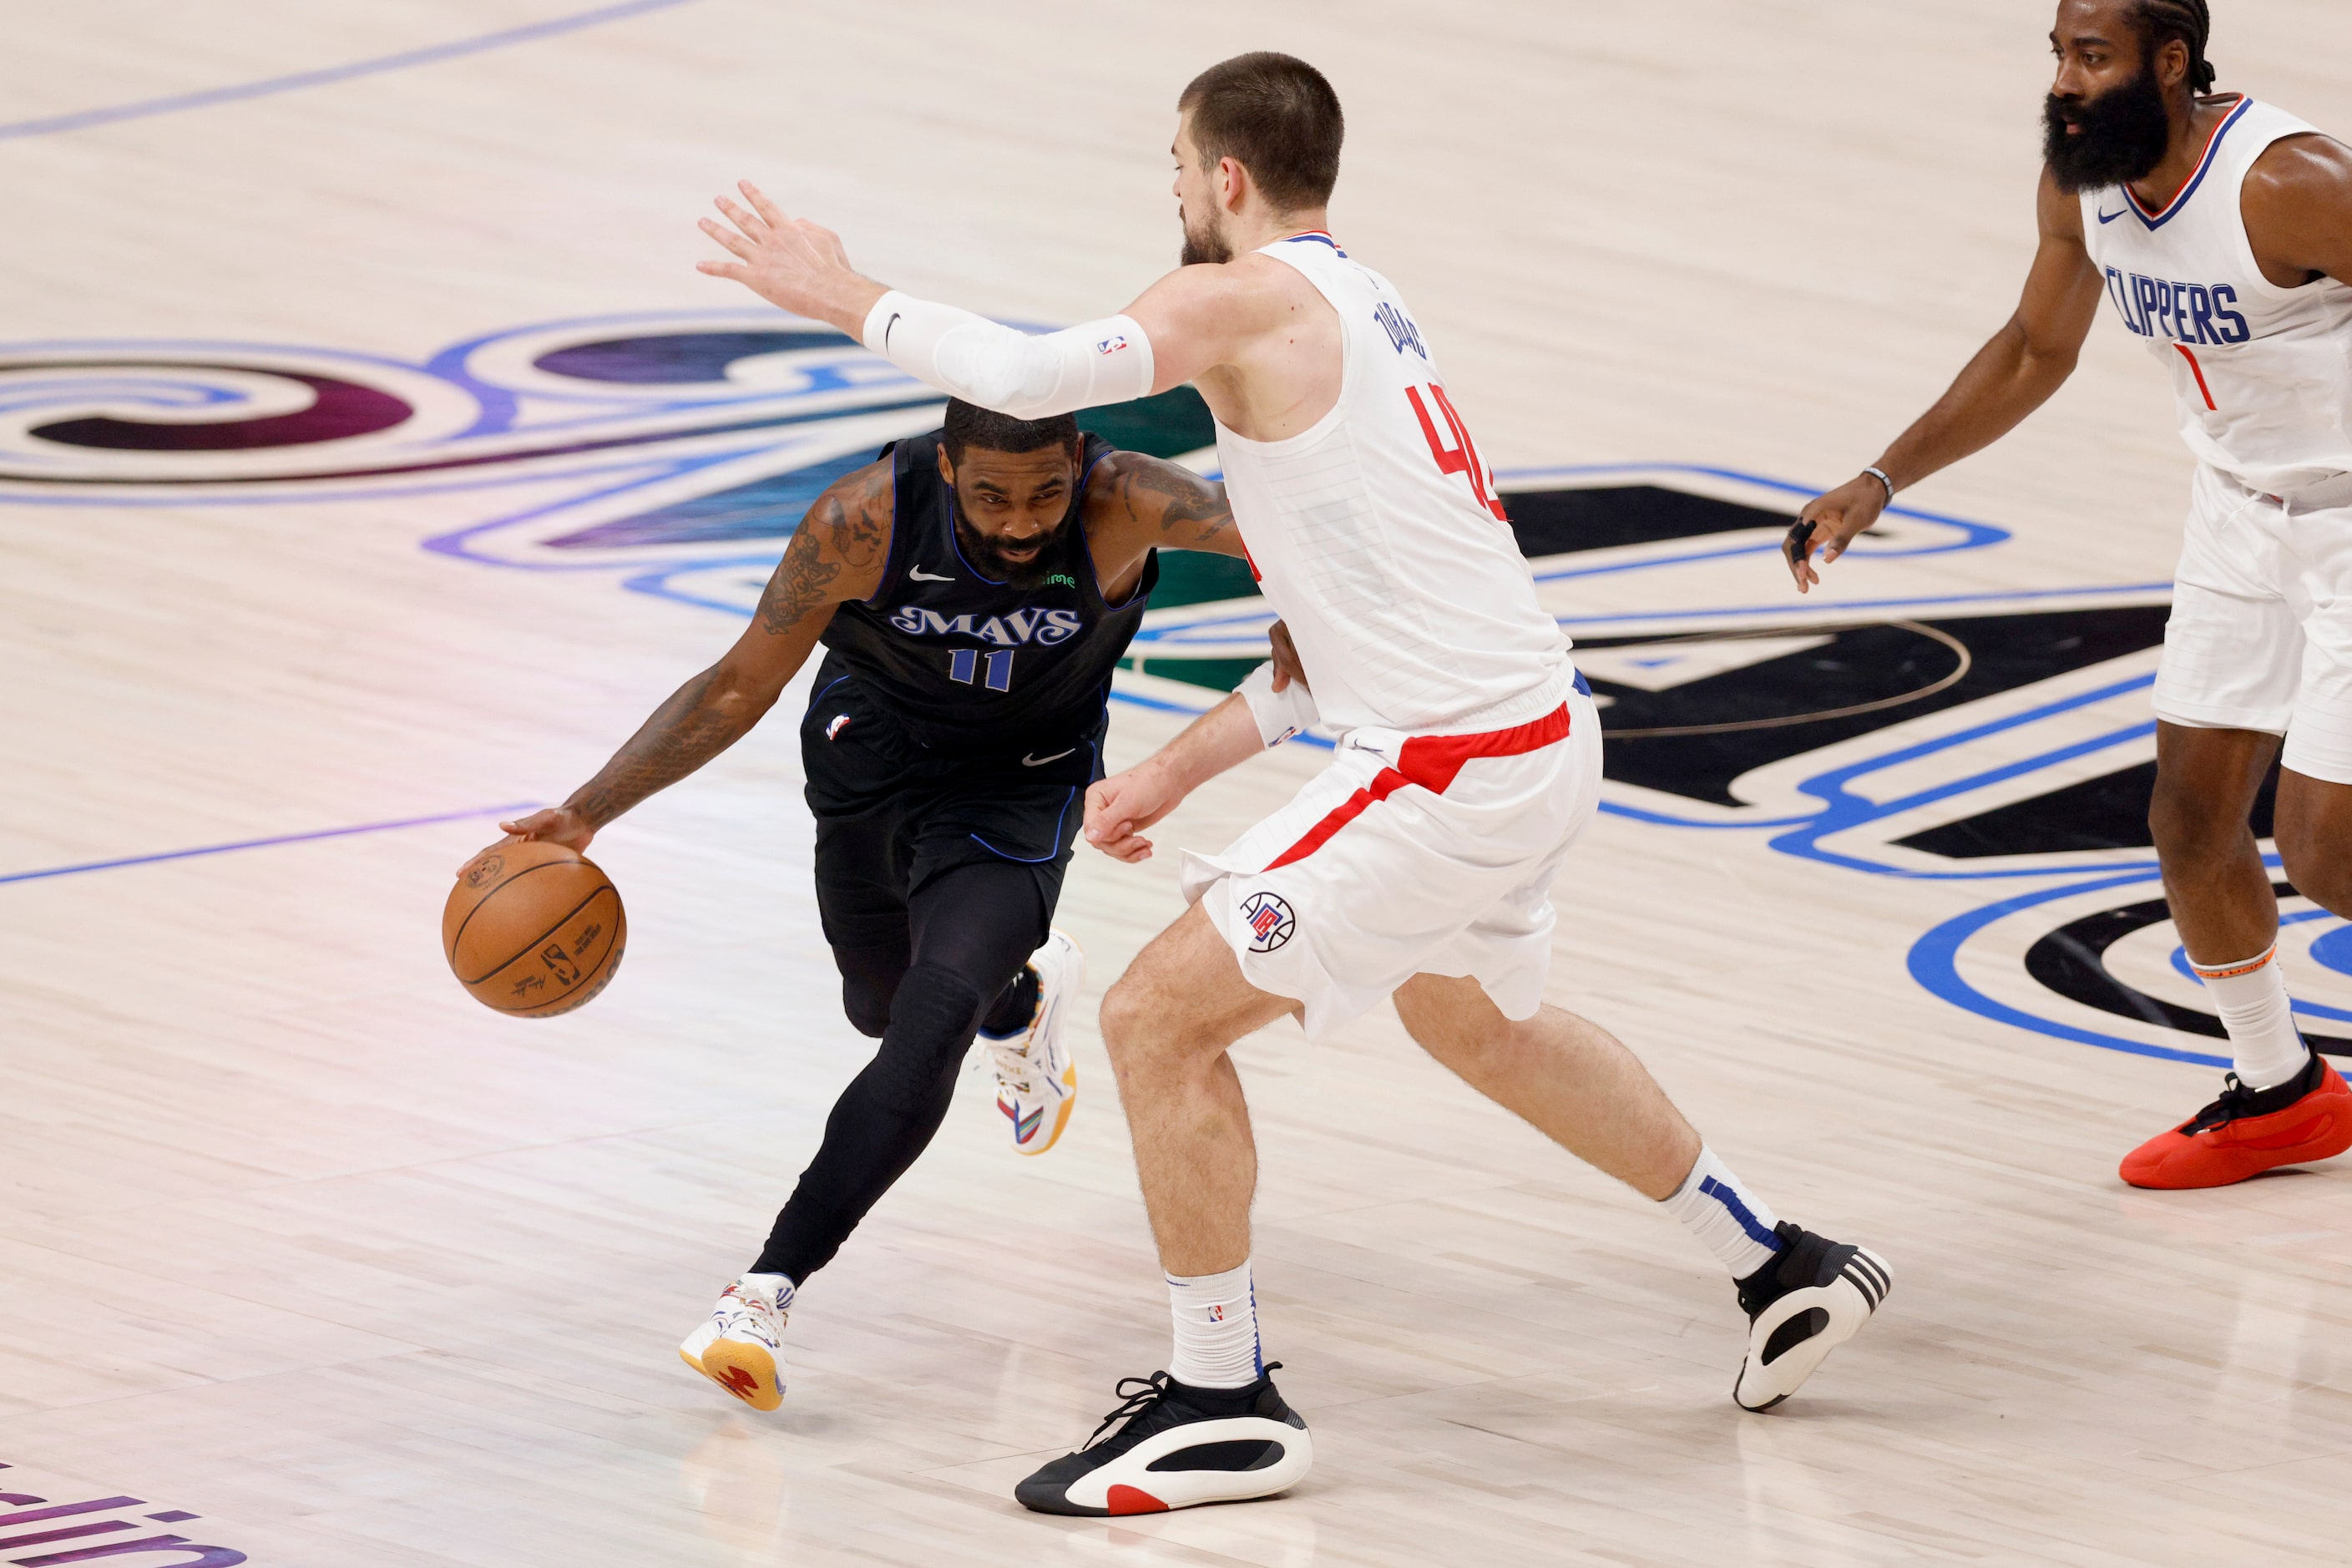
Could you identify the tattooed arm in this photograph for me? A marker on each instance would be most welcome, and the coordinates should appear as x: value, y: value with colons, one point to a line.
x: 1135, y: 504
x: 837, y: 554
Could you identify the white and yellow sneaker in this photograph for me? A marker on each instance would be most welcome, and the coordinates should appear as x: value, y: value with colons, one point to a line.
x: 738, y: 1347
x: 1036, y: 1079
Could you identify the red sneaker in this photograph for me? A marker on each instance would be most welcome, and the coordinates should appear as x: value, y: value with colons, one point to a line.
x: 2250, y: 1131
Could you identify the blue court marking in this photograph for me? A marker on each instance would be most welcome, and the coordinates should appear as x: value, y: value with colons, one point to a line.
x: 267, y: 843
x: 82, y: 119
x: 1934, y: 964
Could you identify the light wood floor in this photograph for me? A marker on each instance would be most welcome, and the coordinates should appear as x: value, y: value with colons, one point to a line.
x: 296, y: 1238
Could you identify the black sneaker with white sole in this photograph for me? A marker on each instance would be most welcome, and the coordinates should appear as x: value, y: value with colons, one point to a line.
x: 1181, y: 1446
x: 1813, y: 1296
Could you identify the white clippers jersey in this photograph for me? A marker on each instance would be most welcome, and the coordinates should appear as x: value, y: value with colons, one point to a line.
x: 1379, y: 538
x: 2264, y: 374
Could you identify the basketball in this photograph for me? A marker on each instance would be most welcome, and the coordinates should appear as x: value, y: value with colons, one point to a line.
x: 533, y: 929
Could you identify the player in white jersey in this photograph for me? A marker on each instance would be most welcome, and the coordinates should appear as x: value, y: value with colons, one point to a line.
x: 1418, y: 864
x: 2220, y: 231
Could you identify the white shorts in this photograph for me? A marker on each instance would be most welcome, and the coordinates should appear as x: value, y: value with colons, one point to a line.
x: 1410, y: 855
x: 2261, y: 633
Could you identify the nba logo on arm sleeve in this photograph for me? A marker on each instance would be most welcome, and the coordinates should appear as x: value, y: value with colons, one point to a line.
x: 1269, y: 920
x: 1111, y: 344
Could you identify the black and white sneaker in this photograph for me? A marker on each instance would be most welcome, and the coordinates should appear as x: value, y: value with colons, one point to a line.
x: 1181, y: 1446
x: 1813, y: 1296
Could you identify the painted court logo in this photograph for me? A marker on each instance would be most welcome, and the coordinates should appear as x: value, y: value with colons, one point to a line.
x: 1270, y: 922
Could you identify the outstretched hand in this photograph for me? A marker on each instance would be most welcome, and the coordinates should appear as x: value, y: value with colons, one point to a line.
x: 789, y: 262
x: 1828, y: 524
x: 556, y: 824
x: 1120, y: 807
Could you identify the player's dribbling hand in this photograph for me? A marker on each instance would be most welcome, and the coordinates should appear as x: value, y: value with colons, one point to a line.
x: 1120, y: 807
x: 556, y: 824
x: 1828, y: 524
x: 792, y: 264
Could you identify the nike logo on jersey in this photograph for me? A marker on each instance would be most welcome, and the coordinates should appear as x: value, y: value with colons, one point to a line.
x: 2110, y: 217
x: 1041, y: 761
x: 917, y: 575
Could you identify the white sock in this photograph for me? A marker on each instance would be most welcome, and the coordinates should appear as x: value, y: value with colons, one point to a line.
x: 2251, y: 996
x: 1728, y: 1220
x: 1217, y: 1330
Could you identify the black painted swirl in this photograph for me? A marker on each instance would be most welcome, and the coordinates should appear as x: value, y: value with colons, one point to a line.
x: 339, y: 410
x: 675, y: 359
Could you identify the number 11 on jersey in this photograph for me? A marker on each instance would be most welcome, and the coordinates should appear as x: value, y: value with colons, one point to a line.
x: 963, y: 663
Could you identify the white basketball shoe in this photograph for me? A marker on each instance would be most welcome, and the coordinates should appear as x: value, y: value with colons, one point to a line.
x: 1812, y: 1296
x: 739, y: 1345
x: 1036, y: 1079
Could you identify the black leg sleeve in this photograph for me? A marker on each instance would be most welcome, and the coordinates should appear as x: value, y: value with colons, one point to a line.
x: 973, y: 927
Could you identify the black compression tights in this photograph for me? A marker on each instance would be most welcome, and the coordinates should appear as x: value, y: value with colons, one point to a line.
x: 969, y: 931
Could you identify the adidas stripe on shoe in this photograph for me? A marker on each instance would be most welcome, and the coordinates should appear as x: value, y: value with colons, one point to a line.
x: 1813, y: 1296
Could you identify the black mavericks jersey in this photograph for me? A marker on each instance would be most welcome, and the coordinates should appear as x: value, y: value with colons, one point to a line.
x: 973, y: 665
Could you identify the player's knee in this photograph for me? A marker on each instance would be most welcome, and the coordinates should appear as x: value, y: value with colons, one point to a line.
x: 1139, y: 1024
x: 2183, y: 822
x: 870, y: 976
x: 932, y: 1017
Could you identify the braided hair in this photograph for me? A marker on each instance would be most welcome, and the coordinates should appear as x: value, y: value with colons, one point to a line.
x: 2190, y: 21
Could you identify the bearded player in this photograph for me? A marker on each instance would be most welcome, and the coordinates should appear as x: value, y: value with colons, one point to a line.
x: 2221, y: 230
x: 974, y: 587
x: 1418, y: 865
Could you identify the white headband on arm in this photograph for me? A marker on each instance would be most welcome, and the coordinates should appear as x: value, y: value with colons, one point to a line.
x: 975, y: 359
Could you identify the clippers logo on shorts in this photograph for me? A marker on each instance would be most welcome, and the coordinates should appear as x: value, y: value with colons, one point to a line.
x: 1270, y: 922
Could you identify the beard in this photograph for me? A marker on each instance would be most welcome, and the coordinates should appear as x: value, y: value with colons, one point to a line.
x: 1203, y: 245
x: 989, y: 561
x: 2115, y: 138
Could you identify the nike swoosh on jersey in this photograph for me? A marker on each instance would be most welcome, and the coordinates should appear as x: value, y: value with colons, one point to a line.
x: 2110, y: 217
x: 917, y: 575
x: 1041, y: 761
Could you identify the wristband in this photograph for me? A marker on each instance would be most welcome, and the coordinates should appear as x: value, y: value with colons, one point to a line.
x: 1880, y: 475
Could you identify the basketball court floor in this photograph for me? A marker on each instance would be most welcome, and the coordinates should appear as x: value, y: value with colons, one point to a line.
x: 373, y: 460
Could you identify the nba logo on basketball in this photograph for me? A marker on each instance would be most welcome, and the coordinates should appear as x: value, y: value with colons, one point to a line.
x: 1270, y: 922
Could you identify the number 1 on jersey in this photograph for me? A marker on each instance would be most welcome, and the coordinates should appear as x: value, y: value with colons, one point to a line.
x: 1461, y: 458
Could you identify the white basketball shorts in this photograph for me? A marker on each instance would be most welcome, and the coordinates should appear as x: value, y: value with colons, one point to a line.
x: 2261, y: 633
x: 1410, y: 855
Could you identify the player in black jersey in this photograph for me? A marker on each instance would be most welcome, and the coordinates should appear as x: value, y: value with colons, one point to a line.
x: 975, y: 589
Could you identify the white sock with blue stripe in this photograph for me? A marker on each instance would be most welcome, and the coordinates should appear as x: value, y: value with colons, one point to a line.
x: 1216, y: 1329
x: 1728, y: 1220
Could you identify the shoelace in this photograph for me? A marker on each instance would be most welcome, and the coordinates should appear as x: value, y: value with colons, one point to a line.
x: 1015, y: 1069
x: 2236, y: 1099
x: 1147, y: 1393
x: 767, y: 1322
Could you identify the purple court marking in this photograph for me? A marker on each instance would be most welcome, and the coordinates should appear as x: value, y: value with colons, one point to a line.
x: 268, y: 842
x: 83, y: 119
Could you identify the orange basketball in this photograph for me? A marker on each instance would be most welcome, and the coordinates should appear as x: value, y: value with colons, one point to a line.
x: 533, y: 929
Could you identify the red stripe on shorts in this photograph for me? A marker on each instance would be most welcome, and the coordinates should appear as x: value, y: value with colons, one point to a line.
x: 1433, y: 761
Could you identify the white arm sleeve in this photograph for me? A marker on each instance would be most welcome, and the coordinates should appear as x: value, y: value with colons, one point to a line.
x: 1279, y: 714
x: 975, y: 359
